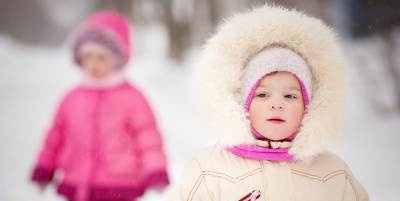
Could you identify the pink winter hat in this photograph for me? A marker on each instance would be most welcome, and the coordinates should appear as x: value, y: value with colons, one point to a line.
x: 270, y: 60
x: 109, y: 29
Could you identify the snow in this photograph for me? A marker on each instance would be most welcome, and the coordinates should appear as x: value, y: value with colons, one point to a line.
x: 32, y: 80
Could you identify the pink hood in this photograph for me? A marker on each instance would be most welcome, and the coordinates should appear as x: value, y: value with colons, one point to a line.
x: 109, y: 28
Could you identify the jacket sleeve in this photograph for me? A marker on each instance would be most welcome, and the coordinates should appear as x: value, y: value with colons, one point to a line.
x: 46, y: 162
x: 354, y: 191
x: 193, y: 185
x: 150, y: 145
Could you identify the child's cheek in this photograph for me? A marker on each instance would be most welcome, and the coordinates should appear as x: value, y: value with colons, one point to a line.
x: 297, y: 115
x: 255, y: 112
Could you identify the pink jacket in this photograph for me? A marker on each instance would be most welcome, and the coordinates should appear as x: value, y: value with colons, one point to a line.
x: 106, y: 144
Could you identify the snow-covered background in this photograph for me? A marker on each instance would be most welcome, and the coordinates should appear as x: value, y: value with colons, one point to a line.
x: 33, y: 78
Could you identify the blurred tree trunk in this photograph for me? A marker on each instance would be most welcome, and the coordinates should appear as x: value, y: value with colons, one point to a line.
x: 179, y: 31
x: 123, y: 6
x: 317, y: 8
x: 373, y: 18
x: 202, y: 24
x: 214, y: 12
x: 29, y: 22
x: 393, y: 68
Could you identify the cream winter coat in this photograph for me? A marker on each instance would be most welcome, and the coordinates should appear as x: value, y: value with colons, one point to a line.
x: 218, y: 175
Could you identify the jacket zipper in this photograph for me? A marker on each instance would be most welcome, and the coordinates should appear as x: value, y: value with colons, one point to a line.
x: 252, y: 196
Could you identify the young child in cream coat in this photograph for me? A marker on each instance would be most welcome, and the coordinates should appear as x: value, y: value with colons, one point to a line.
x: 271, y: 84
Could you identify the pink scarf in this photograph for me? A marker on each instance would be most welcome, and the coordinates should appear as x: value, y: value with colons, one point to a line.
x: 252, y: 151
x: 255, y: 152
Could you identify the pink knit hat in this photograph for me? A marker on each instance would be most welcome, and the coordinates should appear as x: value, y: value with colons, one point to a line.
x: 271, y: 60
x: 110, y: 30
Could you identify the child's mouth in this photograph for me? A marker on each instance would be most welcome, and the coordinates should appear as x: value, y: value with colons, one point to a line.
x: 276, y: 120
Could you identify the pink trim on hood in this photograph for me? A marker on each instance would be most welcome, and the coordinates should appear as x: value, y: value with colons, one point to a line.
x: 249, y: 98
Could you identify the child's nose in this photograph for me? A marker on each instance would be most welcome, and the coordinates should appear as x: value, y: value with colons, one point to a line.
x: 276, y: 104
x: 276, y: 107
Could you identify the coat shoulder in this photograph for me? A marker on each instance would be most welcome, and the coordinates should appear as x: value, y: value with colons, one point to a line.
x: 217, y: 160
x: 323, y: 165
x: 70, y: 95
x: 133, y: 91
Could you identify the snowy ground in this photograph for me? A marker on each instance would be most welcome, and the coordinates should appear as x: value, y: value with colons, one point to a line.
x: 33, y: 79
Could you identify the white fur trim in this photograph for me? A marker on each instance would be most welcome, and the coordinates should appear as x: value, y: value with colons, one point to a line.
x: 219, y: 71
x: 271, y: 60
x: 112, y: 80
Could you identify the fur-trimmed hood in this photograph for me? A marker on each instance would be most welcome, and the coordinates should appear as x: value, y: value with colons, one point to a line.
x: 218, y: 75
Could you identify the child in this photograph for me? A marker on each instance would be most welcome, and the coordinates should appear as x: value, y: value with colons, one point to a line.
x: 271, y: 83
x: 104, y: 140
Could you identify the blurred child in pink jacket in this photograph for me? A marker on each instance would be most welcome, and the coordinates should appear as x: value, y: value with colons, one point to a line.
x: 104, y: 139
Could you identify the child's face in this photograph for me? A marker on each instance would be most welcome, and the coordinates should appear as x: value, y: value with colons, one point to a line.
x: 277, y: 108
x: 97, y: 64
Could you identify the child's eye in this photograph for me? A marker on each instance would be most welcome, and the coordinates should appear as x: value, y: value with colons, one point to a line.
x: 290, y: 96
x: 262, y: 95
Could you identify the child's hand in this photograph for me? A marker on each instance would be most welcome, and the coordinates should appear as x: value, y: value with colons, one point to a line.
x: 157, y: 181
x: 158, y: 188
x: 41, y: 187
